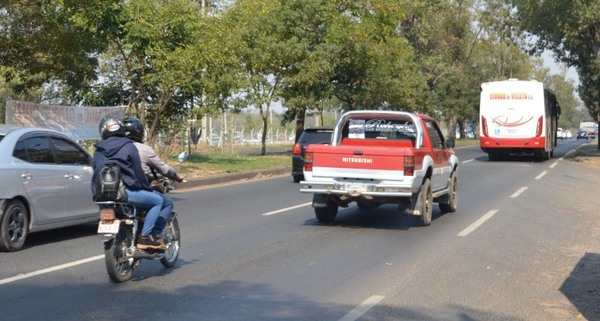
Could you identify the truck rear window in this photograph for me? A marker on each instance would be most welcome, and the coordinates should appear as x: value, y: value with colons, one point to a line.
x: 379, y: 128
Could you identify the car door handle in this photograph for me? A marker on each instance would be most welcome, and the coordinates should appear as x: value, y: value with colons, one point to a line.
x: 69, y: 176
x: 26, y: 176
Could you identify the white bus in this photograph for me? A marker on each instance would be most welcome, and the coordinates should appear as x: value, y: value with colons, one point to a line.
x: 517, y: 116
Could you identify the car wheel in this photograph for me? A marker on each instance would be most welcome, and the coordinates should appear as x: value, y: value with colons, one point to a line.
x: 298, y: 178
x: 14, y: 226
x: 452, y: 203
x: 426, y: 198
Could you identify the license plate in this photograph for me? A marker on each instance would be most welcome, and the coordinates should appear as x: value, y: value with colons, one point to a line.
x: 355, y: 189
x: 108, y: 227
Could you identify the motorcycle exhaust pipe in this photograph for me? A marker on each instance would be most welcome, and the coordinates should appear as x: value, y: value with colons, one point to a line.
x: 145, y: 255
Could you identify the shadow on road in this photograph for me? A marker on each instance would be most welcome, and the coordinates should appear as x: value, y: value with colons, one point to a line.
x: 582, y: 287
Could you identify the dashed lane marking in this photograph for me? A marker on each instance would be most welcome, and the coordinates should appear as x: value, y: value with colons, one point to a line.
x: 362, y: 308
x: 477, y: 223
x: 50, y: 269
x: 542, y: 174
x: 519, y: 192
x: 286, y: 209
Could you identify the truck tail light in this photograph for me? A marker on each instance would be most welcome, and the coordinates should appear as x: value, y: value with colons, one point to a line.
x: 297, y: 150
x: 538, y: 129
x: 409, y: 165
x: 484, y: 127
x: 308, y: 162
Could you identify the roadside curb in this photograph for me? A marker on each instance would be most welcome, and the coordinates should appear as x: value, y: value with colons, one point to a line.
x: 231, y: 177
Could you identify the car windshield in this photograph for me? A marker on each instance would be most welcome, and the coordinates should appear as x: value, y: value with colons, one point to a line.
x: 315, y: 137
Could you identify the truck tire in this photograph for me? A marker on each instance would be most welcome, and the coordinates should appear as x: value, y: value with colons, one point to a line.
x: 426, y: 201
x: 327, y: 213
x: 452, y: 201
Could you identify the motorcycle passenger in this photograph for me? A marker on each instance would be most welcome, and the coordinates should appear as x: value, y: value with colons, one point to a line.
x: 152, y: 163
x: 114, y: 147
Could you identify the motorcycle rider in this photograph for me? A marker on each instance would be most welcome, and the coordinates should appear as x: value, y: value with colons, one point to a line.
x: 152, y: 163
x: 114, y: 147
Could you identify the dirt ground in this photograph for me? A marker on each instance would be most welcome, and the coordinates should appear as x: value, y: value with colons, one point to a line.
x: 584, y: 281
x: 587, y: 155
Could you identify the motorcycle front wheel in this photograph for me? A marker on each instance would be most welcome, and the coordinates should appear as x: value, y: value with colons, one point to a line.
x: 118, y: 265
x: 173, y: 240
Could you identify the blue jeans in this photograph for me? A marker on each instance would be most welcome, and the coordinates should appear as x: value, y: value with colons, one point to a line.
x: 151, y: 201
x: 165, y: 214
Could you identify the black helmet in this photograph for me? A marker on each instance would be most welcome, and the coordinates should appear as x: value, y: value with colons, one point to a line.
x: 134, y: 128
x: 111, y: 125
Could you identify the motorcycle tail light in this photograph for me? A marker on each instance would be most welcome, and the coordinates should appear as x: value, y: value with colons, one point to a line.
x: 107, y: 214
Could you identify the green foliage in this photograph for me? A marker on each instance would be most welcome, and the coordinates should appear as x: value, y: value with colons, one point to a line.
x: 569, y: 29
x: 174, y: 60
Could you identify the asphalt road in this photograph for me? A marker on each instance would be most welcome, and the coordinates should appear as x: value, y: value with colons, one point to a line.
x: 523, y: 245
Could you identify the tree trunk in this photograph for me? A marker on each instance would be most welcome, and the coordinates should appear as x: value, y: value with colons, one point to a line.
x: 300, y: 119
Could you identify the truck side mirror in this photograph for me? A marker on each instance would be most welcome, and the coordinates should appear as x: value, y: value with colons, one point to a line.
x: 450, y: 143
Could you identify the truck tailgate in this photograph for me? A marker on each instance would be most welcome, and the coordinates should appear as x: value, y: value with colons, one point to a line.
x: 368, y: 162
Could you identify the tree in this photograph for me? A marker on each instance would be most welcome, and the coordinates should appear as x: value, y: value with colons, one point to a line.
x: 60, y: 40
x: 570, y: 30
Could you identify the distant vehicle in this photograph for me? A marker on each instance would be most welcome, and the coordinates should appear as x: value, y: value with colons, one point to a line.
x: 590, y: 127
x: 568, y: 134
x: 560, y: 134
x: 45, y: 183
x: 582, y: 134
x: 517, y: 116
x: 316, y: 135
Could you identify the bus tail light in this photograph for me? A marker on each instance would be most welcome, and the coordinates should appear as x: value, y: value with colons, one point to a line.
x: 538, y: 129
x: 308, y: 161
x: 409, y: 165
x: 484, y: 127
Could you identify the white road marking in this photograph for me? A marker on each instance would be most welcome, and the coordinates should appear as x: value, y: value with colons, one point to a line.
x: 362, y: 308
x: 50, y: 269
x: 286, y: 209
x: 541, y: 175
x: 477, y: 223
x: 553, y: 164
x: 468, y: 161
x: 519, y: 192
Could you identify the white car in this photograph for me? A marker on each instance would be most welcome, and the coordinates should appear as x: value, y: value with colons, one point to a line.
x: 560, y: 134
x: 45, y: 183
x: 568, y: 134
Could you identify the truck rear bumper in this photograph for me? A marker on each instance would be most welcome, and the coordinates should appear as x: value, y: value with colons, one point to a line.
x: 358, y: 189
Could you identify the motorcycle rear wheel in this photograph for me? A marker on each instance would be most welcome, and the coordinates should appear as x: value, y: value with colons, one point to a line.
x: 172, y: 238
x: 118, y: 265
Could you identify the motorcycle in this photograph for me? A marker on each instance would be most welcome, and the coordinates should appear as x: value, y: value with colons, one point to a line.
x: 121, y: 225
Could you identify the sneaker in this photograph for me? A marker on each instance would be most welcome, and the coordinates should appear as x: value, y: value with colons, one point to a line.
x: 148, y: 241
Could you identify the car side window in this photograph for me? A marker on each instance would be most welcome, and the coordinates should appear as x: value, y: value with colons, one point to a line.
x: 68, y: 153
x: 34, y: 150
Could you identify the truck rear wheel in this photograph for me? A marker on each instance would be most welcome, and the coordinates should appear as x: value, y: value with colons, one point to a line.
x: 426, y: 199
x: 327, y: 213
x: 452, y: 203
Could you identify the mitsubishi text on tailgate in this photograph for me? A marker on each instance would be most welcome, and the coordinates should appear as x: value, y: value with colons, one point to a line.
x: 379, y: 157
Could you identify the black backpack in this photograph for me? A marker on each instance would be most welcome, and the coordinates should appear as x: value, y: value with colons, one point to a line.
x: 110, y: 187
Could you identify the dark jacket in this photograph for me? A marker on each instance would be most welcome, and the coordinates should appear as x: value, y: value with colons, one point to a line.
x: 121, y: 151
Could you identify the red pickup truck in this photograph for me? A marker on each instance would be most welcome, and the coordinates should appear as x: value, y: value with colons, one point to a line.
x: 378, y: 157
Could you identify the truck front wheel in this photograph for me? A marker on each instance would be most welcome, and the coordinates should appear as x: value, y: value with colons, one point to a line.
x: 426, y: 199
x: 452, y: 203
